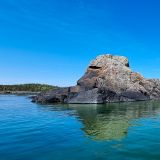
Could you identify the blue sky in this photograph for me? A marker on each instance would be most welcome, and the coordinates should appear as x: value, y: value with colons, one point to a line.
x: 53, y: 41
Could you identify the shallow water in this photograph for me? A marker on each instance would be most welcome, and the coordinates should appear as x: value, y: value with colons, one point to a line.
x: 125, y: 131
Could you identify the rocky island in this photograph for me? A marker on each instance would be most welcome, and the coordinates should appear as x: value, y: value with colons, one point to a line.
x: 108, y: 79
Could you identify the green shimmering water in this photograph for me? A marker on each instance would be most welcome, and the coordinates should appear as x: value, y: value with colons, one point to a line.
x: 125, y: 131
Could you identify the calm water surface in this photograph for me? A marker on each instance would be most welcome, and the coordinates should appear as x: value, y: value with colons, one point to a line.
x: 125, y: 131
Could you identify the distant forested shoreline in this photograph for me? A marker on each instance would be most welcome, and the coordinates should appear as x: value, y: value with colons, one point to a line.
x: 31, y: 87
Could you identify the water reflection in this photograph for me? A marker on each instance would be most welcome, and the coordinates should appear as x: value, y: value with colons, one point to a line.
x: 111, y: 121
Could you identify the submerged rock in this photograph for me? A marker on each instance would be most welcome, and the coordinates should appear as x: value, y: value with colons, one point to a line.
x: 108, y: 79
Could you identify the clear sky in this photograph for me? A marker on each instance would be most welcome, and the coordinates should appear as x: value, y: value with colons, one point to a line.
x: 52, y: 41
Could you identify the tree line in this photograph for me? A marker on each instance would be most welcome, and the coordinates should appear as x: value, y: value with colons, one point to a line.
x: 27, y: 87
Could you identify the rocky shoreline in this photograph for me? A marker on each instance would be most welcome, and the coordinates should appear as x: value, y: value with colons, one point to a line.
x: 108, y: 79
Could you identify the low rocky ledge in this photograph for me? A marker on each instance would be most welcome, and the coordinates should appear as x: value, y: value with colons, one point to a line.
x: 108, y: 79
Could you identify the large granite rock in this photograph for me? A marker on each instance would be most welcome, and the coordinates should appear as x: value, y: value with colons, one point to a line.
x: 108, y: 79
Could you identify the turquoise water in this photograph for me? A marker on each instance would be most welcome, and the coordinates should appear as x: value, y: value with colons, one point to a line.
x: 125, y: 131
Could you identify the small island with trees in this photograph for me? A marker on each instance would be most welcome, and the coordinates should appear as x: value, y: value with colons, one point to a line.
x: 30, y: 88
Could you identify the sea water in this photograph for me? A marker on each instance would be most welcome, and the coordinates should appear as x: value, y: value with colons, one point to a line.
x: 117, y: 131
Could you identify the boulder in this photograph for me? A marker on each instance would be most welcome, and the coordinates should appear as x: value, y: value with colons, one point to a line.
x: 108, y: 79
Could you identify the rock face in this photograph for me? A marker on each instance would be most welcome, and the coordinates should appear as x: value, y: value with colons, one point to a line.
x: 108, y: 79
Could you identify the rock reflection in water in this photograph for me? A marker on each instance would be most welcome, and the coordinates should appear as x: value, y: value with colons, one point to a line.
x: 111, y: 121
